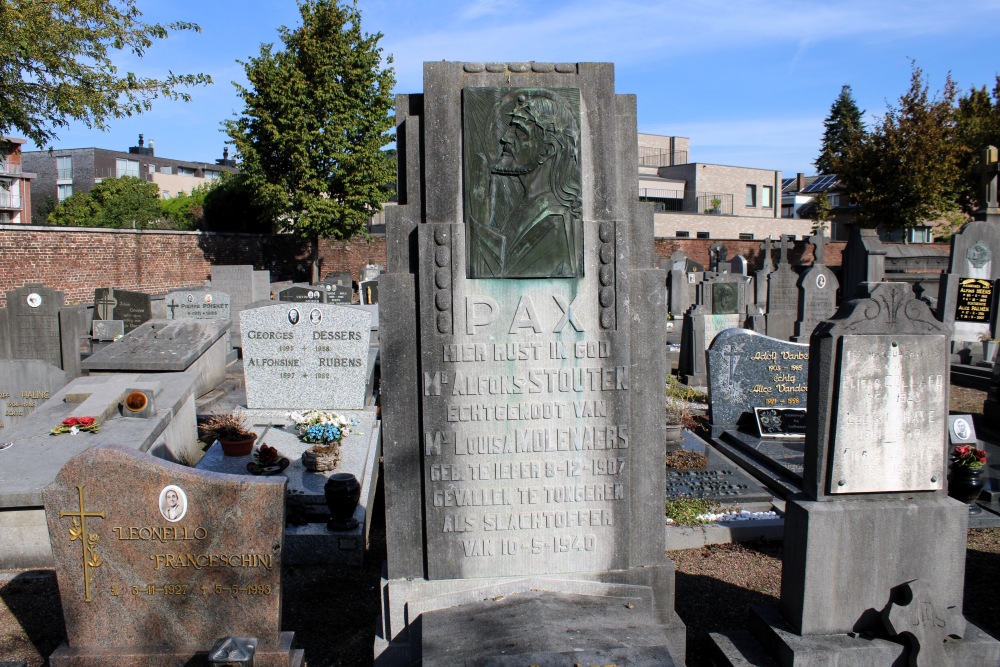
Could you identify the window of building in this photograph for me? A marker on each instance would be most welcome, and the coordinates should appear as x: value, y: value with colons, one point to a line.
x: 704, y: 235
x: 746, y: 236
x: 64, y: 191
x: 64, y: 168
x: 767, y: 196
x: 166, y: 170
x: 125, y: 167
x: 211, y: 175
x: 152, y: 168
x: 751, y: 196
x: 166, y: 194
x: 185, y: 171
x: 10, y: 194
x: 920, y: 234
x: 682, y: 235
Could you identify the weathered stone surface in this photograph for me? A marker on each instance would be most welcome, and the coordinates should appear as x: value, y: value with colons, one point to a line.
x: 305, y: 356
x: 132, y: 308
x: 107, y: 330
x: 153, y: 555
x: 198, y: 304
x: 782, y: 301
x: 748, y: 370
x: 818, y: 287
x: 244, y: 286
x: 24, y: 385
x: 32, y: 324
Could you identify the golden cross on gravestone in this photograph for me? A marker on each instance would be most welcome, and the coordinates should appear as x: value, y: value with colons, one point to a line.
x: 105, y: 306
x: 78, y: 531
x: 988, y: 170
x: 819, y: 241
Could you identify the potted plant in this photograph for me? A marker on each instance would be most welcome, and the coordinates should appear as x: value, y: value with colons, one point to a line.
x: 324, y: 430
x: 715, y: 205
x: 678, y: 415
x: 965, y: 481
x: 232, y: 432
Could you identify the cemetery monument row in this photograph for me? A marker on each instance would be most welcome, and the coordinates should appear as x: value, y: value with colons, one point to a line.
x: 536, y: 342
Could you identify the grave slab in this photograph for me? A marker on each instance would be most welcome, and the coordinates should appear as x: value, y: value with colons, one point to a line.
x: 24, y: 385
x: 29, y: 327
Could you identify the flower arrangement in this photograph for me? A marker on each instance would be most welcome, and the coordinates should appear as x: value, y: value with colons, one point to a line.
x: 321, y: 427
x: 967, y: 456
x: 267, y: 461
x: 74, y: 425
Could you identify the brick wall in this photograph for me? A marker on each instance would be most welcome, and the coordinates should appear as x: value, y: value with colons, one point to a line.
x: 77, y: 260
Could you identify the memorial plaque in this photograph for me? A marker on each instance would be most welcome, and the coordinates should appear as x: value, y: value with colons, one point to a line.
x: 339, y: 278
x: 900, y: 446
x: 132, y: 308
x: 298, y: 356
x: 158, y: 560
x: 303, y: 294
x: 107, y: 329
x: 198, y: 305
x: 781, y: 422
x: 24, y: 385
x: 340, y: 294
x: 975, y: 301
x: 747, y: 370
x: 725, y: 299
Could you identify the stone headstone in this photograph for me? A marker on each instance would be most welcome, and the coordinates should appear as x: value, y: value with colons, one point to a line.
x: 32, y: 324
x: 863, y: 260
x: 967, y: 298
x: 761, y: 275
x: 132, y: 308
x: 874, y: 470
x: 198, y: 304
x: 782, y: 297
x: 527, y: 370
x: 306, y: 356
x: 681, y: 293
x: 339, y: 294
x: 303, y: 293
x: 74, y: 333
x: 747, y: 370
x: 342, y: 278
x: 739, y: 265
x: 24, y: 385
x: 818, y: 293
x: 244, y: 286
x: 370, y: 272
x: 160, y: 346
x: 105, y: 330
x: 158, y: 561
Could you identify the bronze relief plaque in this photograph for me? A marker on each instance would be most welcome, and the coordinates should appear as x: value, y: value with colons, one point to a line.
x: 522, y: 179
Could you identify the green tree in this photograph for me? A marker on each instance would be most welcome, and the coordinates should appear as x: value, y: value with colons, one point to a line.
x: 977, y: 120
x: 316, y: 117
x: 230, y: 206
x: 56, y: 65
x: 906, y: 170
x: 822, y: 211
x: 186, y: 211
x: 126, y: 202
x: 844, y: 127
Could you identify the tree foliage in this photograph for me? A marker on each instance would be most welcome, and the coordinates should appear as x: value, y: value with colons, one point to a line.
x: 315, y: 120
x: 907, y: 170
x: 229, y: 206
x: 977, y: 121
x: 844, y: 127
x: 56, y: 65
x: 185, y: 211
x: 123, y: 203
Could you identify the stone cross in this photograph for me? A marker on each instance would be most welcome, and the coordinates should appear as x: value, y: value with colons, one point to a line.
x: 105, y: 306
x: 717, y: 253
x: 766, y: 247
x: 819, y: 241
x: 988, y: 170
x: 786, y: 247
x: 78, y: 531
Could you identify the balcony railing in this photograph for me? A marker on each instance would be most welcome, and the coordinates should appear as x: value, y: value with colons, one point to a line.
x: 10, y: 199
x: 6, y: 168
x: 716, y: 203
x: 657, y: 157
x: 65, y: 174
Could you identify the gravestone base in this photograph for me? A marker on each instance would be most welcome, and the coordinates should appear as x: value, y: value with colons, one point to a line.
x: 404, y: 601
x: 546, y: 629
x: 282, y: 655
x: 771, y: 641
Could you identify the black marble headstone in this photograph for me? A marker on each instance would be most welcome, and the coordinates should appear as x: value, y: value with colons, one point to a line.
x: 132, y: 308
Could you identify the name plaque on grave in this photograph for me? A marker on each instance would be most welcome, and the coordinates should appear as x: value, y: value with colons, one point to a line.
x: 530, y: 474
x: 747, y: 370
x: 900, y: 446
x: 24, y: 385
x: 198, y: 305
x: 975, y: 300
x: 781, y: 422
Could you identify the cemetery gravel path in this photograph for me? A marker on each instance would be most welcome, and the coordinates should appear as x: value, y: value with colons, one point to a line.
x: 333, y: 609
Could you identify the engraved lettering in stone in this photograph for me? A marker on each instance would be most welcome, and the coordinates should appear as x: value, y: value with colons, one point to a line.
x: 160, y: 533
x: 525, y: 317
x: 540, y: 440
x: 460, y: 496
x: 544, y: 380
x: 483, y: 311
x: 201, y: 561
x: 548, y: 520
x: 479, y: 312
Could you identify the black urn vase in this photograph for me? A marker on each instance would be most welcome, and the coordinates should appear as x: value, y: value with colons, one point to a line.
x: 965, y: 484
x: 342, y: 493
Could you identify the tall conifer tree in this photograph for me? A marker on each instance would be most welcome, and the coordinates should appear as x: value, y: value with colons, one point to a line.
x: 844, y: 127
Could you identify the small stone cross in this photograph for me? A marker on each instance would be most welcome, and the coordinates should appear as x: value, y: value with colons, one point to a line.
x: 988, y: 170
x: 105, y: 306
x: 819, y: 241
x: 766, y: 247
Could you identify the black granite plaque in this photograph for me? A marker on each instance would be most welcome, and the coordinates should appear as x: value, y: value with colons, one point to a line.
x: 975, y: 301
x: 132, y: 308
x: 781, y: 422
x: 369, y: 292
x: 303, y: 294
x: 339, y: 294
x: 748, y: 370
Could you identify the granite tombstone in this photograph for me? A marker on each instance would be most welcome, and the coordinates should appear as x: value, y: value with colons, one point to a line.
x: 303, y: 293
x: 782, y: 296
x: 818, y: 289
x: 198, y: 304
x: 132, y: 308
x: 29, y: 326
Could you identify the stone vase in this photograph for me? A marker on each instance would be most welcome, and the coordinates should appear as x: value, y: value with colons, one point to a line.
x: 342, y: 491
x: 965, y: 484
x: 239, y: 446
x: 674, y: 433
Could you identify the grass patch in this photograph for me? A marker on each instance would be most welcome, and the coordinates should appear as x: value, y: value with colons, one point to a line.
x: 685, y: 511
x: 680, y: 391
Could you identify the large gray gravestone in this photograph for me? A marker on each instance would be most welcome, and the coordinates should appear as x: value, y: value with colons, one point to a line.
x: 782, y: 296
x: 747, y: 370
x: 160, y: 346
x: 244, y: 286
x: 132, y: 308
x: 875, y: 495
x: 74, y: 334
x: 529, y: 457
x: 31, y: 328
x: 198, y: 304
x: 156, y: 561
x: 298, y: 356
x: 24, y: 385
x: 818, y: 288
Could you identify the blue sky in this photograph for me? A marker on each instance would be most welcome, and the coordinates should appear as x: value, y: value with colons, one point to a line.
x: 748, y: 81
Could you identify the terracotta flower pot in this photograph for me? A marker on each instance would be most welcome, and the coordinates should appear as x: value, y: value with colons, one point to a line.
x: 241, y: 447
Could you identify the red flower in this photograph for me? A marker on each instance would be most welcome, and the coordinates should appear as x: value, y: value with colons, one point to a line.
x: 84, y: 421
x: 963, y: 450
x: 981, y: 455
x: 70, y: 421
